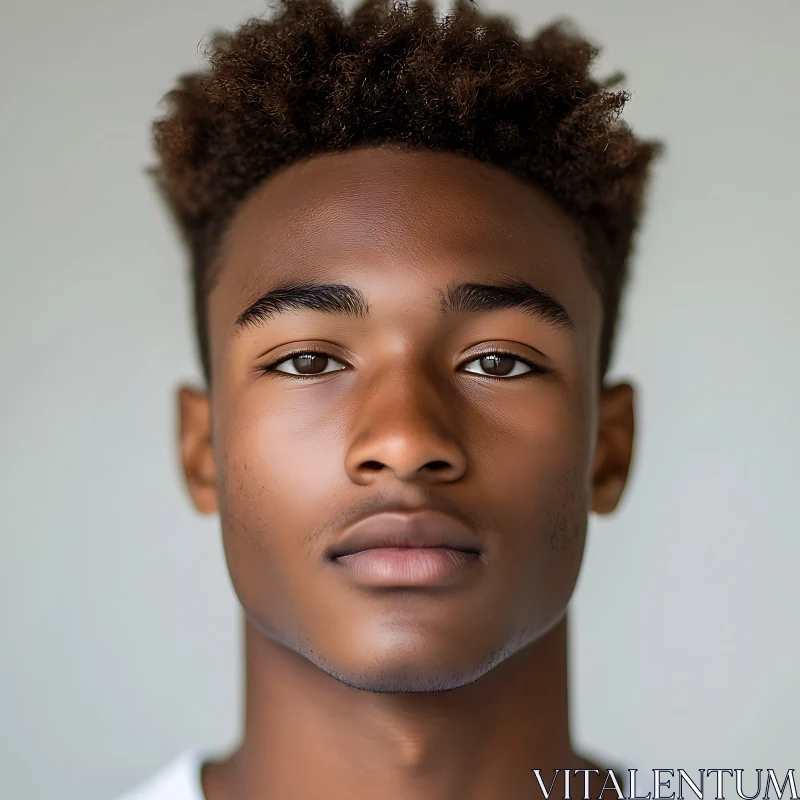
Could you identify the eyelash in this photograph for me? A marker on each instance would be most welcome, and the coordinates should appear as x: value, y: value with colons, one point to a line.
x: 535, y: 369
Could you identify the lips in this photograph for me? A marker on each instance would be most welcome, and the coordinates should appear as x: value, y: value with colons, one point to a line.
x: 401, y: 549
x: 425, y: 528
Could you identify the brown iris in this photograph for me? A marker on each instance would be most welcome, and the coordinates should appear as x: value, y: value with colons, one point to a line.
x: 310, y: 363
x: 497, y: 364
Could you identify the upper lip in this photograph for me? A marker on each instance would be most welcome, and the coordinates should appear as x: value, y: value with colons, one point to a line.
x: 421, y: 528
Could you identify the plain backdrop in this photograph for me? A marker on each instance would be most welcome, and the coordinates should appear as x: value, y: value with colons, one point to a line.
x: 120, y: 633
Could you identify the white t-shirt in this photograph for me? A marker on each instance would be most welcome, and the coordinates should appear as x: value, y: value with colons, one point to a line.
x: 178, y: 780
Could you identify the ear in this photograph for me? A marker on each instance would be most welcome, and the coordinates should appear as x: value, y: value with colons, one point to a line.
x: 197, y: 454
x: 614, y: 447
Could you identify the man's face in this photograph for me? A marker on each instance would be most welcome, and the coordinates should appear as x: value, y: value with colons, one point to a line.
x: 474, y: 411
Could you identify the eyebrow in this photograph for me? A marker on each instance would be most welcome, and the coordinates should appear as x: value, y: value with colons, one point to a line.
x: 340, y: 299
x: 465, y: 297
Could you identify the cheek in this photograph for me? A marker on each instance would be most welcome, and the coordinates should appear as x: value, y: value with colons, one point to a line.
x: 555, y: 454
x: 537, y: 493
x: 536, y: 449
x: 281, y: 455
x: 280, y: 470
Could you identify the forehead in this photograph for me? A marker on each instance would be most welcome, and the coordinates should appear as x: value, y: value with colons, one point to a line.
x: 404, y: 221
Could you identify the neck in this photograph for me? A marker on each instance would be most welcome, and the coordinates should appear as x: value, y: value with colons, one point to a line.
x: 308, y: 735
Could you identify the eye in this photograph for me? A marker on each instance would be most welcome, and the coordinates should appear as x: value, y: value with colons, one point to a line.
x: 306, y: 364
x: 500, y: 365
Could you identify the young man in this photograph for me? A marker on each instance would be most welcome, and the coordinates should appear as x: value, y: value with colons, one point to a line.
x: 409, y: 236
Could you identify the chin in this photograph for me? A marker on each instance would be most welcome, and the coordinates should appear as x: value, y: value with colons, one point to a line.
x: 415, y: 669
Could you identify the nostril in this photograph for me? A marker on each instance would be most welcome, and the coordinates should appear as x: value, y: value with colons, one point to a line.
x: 437, y: 466
x: 373, y: 465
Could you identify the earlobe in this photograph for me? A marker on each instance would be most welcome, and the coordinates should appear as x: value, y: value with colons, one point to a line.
x: 196, y: 451
x: 614, y: 447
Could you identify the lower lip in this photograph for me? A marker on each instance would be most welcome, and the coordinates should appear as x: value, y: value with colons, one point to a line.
x: 408, y: 566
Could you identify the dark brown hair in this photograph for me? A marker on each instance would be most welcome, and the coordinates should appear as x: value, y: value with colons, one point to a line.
x: 314, y: 79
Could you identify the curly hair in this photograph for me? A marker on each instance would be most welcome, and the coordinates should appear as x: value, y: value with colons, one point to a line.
x: 314, y: 79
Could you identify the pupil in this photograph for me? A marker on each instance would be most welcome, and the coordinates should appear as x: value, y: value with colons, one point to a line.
x: 497, y: 365
x: 306, y: 364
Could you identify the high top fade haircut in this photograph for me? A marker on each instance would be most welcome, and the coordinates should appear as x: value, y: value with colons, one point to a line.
x: 313, y: 79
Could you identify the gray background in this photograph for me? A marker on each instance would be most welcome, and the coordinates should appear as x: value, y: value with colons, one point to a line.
x: 120, y: 635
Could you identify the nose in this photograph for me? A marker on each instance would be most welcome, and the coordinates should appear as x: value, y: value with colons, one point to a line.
x: 402, y: 429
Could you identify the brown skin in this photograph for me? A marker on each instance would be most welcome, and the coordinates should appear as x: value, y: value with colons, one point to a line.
x: 340, y: 699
